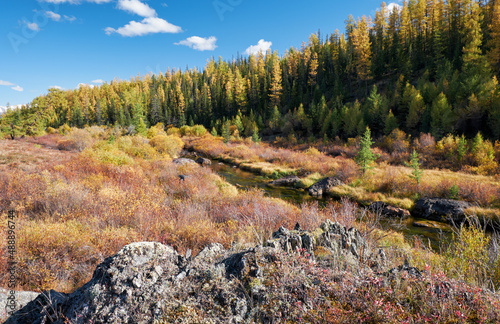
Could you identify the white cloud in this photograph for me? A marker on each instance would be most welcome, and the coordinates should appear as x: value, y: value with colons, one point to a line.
x: 84, y: 85
x: 136, y: 7
x: 70, y: 18
x: 199, y: 43
x: 11, y: 85
x: 52, y: 15
x: 262, y: 46
x: 75, y: 1
x: 99, y: 81
x: 33, y: 26
x: 56, y: 87
x: 392, y: 5
x: 6, y: 83
x: 150, y: 25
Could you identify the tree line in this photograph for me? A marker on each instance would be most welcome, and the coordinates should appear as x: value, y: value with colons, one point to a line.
x: 427, y: 66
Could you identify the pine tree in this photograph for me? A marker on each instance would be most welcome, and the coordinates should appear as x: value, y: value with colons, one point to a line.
x: 255, y: 135
x: 494, y: 41
x: 275, y: 89
x: 391, y: 123
x: 365, y: 156
x: 442, y: 118
x: 362, y: 50
x: 416, y: 173
x: 226, y: 131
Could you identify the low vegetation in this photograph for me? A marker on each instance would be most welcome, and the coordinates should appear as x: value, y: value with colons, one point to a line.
x: 109, y: 189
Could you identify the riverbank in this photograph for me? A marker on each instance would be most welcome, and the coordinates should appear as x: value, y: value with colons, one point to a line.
x: 387, y: 183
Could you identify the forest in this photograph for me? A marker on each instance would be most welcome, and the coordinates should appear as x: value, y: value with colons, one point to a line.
x: 431, y: 66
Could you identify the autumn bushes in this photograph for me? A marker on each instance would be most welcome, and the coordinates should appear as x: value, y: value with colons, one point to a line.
x: 73, y: 213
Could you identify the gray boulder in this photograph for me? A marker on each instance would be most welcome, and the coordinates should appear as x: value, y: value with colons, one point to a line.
x: 287, y: 181
x: 439, y: 209
x: 203, y: 162
x: 125, y: 288
x: 387, y: 210
x: 322, y: 187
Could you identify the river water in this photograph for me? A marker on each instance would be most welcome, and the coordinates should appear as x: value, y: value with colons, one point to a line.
x: 244, y: 179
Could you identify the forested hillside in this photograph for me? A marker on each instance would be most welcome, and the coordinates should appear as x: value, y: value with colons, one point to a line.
x: 429, y: 66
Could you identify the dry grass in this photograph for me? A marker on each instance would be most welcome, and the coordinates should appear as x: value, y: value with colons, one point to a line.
x: 75, y: 209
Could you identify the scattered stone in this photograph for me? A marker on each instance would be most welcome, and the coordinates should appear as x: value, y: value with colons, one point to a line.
x: 203, y: 161
x: 405, y: 268
x: 389, y: 211
x: 439, y: 209
x: 287, y: 181
x: 183, y: 161
x: 322, y: 187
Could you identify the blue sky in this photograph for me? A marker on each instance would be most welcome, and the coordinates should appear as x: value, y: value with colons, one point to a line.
x: 62, y: 43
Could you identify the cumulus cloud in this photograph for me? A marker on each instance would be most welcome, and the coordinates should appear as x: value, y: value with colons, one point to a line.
x: 149, y: 25
x: 136, y: 7
x: 11, y: 85
x: 56, y: 87
x: 392, y: 5
x: 262, y: 46
x: 98, y: 81
x: 52, y: 15
x: 6, y: 83
x: 70, y: 18
x: 84, y: 85
x: 199, y: 43
x: 33, y: 26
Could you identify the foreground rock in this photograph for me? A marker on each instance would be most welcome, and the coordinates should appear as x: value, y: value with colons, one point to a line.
x: 288, y: 181
x: 149, y: 281
x: 441, y: 210
x: 387, y: 210
x: 322, y: 187
x: 22, y: 298
x: 203, y: 162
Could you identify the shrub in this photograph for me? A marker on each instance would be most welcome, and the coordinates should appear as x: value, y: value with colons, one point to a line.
x: 173, y: 131
x: 81, y: 138
x: 167, y: 144
x: 108, y: 153
x: 157, y: 129
x: 137, y: 146
x: 396, y: 141
x: 64, y: 129
x: 198, y: 130
x: 185, y: 130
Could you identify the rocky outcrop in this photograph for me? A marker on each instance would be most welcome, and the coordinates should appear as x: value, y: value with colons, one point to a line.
x: 322, y: 187
x: 439, y: 209
x: 387, y: 210
x: 203, y: 162
x: 21, y: 299
x: 148, y: 281
x: 288, y: 181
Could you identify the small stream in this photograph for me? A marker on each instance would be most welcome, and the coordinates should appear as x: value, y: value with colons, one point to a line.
x: 244, y: 179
